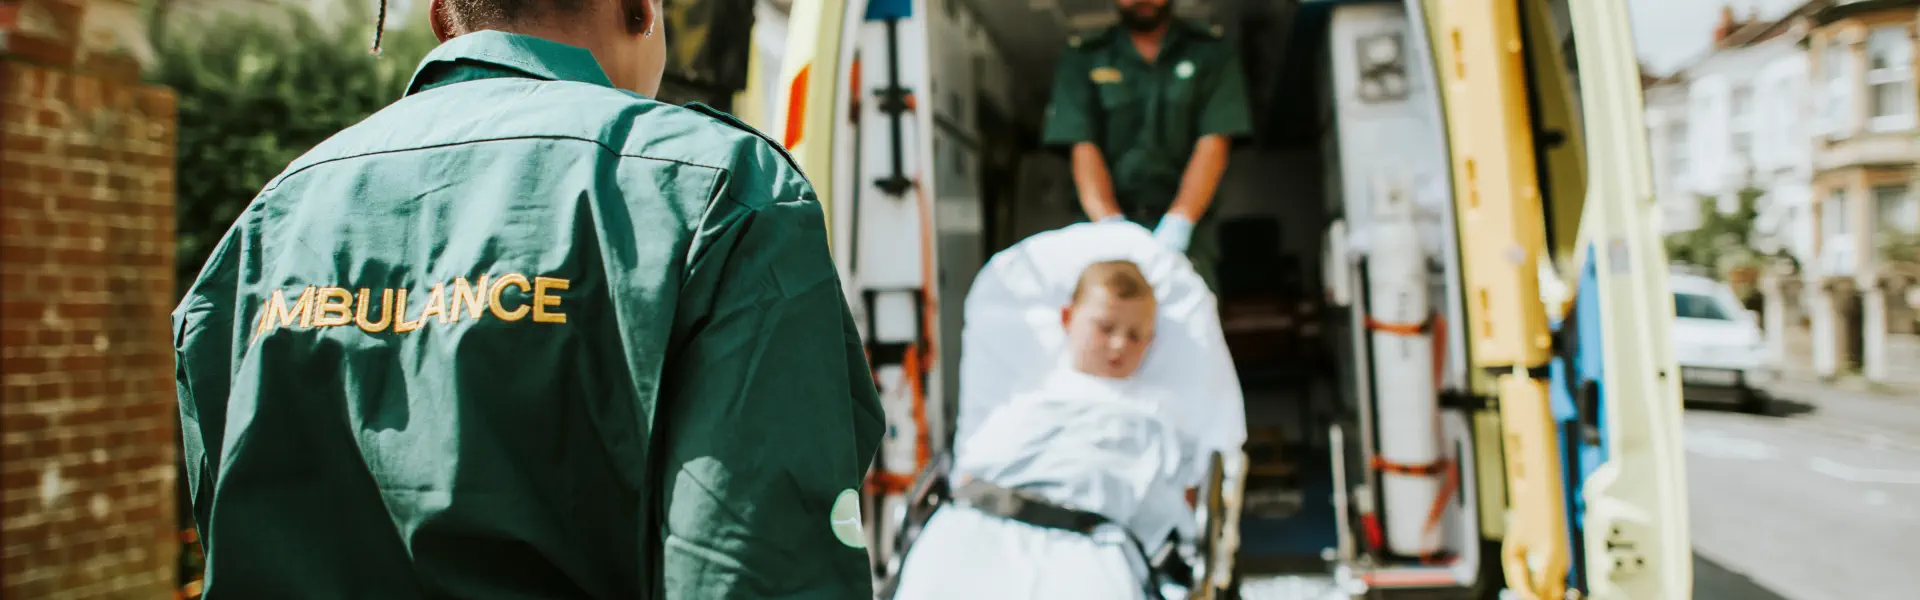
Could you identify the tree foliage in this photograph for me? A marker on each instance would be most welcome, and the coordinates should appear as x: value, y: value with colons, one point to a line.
x: 1723, y: 243
x: 1899, y: 252
x: 256, y: 92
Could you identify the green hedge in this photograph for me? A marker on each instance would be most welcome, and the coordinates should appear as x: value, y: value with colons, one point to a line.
x: 255, y: 93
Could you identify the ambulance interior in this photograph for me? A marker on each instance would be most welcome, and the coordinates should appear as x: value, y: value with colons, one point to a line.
x: 991, y: 63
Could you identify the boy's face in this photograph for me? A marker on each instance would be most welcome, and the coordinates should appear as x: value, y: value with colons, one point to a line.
x: 1108, y: 336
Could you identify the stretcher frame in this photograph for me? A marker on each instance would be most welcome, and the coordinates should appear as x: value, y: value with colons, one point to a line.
x: 1211, y: 557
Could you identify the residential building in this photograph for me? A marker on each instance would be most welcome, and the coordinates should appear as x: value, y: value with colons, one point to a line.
x: 1865, y: 149
x: 1668, y: 152
x: 1744, y: 127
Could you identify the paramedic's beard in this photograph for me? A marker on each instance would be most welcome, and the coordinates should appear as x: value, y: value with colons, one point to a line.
x: 1144, y: 18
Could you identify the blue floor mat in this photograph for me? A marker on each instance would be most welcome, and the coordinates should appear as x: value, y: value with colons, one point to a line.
x: 1305, y: 533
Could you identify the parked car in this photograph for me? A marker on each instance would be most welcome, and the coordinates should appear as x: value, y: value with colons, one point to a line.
x: 1718, y: 344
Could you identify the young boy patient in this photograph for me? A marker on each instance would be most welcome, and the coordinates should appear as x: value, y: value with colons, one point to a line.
x: 1088, y: 439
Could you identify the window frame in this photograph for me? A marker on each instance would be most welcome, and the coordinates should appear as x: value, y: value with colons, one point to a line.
x: 1905, y: 216
x: 1682, y: 160
x: 1898, y: 41
x: 1741, y: 129
x: 1836, y: 90
x: 1836, y: 232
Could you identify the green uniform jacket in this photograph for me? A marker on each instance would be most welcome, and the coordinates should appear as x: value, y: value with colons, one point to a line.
x: 523, y: 335
x: 1146, y: 117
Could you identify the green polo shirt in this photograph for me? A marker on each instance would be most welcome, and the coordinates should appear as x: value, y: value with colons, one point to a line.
x: 1146, y: 117
x: 523, y: 335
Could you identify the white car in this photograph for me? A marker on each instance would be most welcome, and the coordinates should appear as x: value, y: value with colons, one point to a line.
x: 1718, y: 343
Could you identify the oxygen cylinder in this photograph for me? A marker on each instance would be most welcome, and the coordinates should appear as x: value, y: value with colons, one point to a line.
x: 1407, y: 419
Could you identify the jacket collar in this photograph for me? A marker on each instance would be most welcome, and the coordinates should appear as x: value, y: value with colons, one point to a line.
x: 487, y: 54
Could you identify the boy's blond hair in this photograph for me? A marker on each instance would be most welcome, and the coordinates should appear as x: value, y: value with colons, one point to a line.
x: 1121, y: 279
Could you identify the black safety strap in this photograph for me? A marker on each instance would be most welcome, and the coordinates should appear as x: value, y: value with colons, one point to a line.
x: 1019, y: 506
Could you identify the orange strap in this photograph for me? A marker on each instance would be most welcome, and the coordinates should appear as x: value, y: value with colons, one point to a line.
x: 1434, y: 324
x: 912, y: 377
x: 882, y: 483
x: 1448, y: 486
x: 1426, y: 470
x: 1399, y: 328
x: 1439, y: 509
x: 928, y: 346
x: 853, y: 92
x: 1447, y: 468
x: 916, y: 370
x: 920, y: 356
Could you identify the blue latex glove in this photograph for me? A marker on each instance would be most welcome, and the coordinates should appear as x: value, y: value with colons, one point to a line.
x: 1174, y: 232
x: 1111, y: 218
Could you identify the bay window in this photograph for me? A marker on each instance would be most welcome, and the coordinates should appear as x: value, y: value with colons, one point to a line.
x: 1836, y: 239
x: 1896, y: 209
x: 1836, y: 74
x: 1740, y: 123
x: 1682, y: 153
x: 1890, y: 94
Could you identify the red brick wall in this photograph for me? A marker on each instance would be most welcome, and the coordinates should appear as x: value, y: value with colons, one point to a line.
x: 87, y: 413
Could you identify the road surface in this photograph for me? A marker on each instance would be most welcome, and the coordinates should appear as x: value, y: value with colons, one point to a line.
x: 1819, y: 500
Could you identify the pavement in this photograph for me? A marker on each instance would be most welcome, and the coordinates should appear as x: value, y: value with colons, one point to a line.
x: 1817, y: 500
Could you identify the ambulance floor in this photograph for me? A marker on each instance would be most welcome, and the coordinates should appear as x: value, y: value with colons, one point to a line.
x: 1293, y: 543
x: 1289, y: 520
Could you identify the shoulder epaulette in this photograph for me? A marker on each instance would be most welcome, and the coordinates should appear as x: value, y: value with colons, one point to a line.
x: 736, y: 123
x: 1212, y: 32
x: 1090, y: 39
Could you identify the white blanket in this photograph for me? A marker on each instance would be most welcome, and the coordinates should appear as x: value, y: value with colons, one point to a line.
x: 1083, y: 442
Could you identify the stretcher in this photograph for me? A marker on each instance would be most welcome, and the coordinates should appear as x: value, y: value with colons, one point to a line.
x: 1012, y: 338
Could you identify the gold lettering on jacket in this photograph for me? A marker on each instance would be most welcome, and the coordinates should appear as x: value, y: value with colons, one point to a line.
x: 510, y: 297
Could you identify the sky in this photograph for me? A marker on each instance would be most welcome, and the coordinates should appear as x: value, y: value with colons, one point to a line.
x: 1669, y: 33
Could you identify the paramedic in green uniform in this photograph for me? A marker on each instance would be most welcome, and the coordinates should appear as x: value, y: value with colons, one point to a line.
x: 527, y: 333
x: 1149, y: 108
